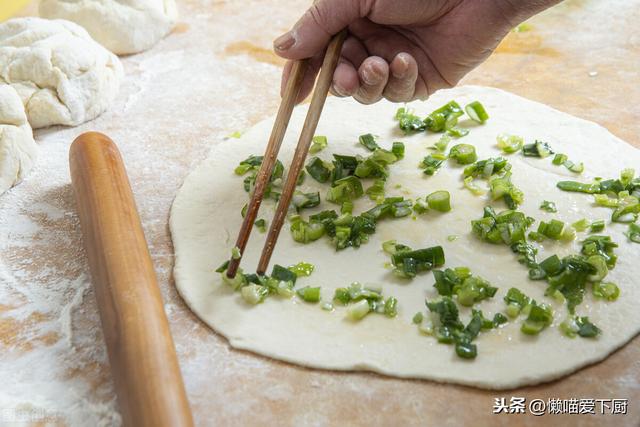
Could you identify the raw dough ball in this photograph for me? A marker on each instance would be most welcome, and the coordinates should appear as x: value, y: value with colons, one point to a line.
x: 17, y: 147
x: 61, y: 74
x: 122, y: 26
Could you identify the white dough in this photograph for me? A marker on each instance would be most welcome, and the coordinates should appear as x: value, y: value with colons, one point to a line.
x: 18, y: 150
x: 205, y: 219
x: 122, y: 26
x: 61, y: 74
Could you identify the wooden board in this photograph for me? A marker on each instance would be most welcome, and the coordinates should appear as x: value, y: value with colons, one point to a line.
x: 216, y: 75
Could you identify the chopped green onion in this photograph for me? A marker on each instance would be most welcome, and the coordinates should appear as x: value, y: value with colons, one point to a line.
x: 540, y: 316
x: 469, y: 289
x: 581, y: 225
x: 516, y: 301
x: 358, y: 310
x: 318, y: 143
x: 305, y: 200
x: 510, y: 143
x: 458, y: 132
x: 368, y: 141
x: 596, y: 226
x: 502, y: 187
x: 452, y: 237
x: 537, y: 149
x: 579, y: 326
x: 261, y: 225
x: 633, y: 233
x: 376, y: 191
x: 439, y: 201
x: 507, y: 227
x: 409, y: 122
x: 475, y: 110
x: 552, y: 229
x: 443, y: 118
x: 420, y: 206
x: 305, y: 232
x: 254, y: 294
x: 408, y: 263
x: 487, y: 168
x: 309, y: 294
x: 442, y: 143
x: 431, y: 164
x: 559, y: 159
x: 464, y: 154
x: 606, y: 290
x: 469, y: 184
x: 578, y: 187
x: 344, y: 189
x: 548, y: 206
x: 235, y: 253
x: 302, y: 269
x: 318, y: 169
x: 417, y: 318
x: 391, y: 307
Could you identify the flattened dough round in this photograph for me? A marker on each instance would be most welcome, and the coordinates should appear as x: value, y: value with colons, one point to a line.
x: 62, y: 75
x: 17, y: 148
x: 122, y: 26
x: 206, y: 217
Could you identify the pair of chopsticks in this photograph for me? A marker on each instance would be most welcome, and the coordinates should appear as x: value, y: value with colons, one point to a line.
x: 291, y: 92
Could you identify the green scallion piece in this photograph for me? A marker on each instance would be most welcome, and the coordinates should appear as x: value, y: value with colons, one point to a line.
x: 261, y: 225
x: 581, y: 326
x: 578, y: 187
x: 302, y: 269
x: 442, y: 143
x: 510, y: 143
x: 431, y: 164
x: 458, y: 132
x: 254, y: 294
x: 540, y: 316
x: 581, y: 225
x: 548, y: 206
x: 318, y: 143
x: 368, y: 141
x: 559, y: 159
x: 633, y: 233
x: 476, y: 111
x: 596, y: 226
x: 471, y: 186
x: 235, y: 253
x: 391, y: 307
x: 344, y: 189
x: 464, y: 154
x: 552, y: 229
x: 417, y: 318
x: 309, y: 294
x: 358, y: 310
x: 606, y: 290
x: 439, y: 201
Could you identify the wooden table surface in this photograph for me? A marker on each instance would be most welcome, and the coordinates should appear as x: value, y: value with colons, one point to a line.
x: 215, y: 75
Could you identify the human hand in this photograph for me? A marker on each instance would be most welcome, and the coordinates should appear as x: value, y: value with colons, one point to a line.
x: 401, y: 49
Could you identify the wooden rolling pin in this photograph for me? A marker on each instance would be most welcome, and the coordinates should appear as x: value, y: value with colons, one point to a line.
x: 143, y: 361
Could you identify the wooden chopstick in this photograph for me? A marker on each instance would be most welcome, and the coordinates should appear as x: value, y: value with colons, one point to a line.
x: 318, y: 99
x: 270, y: 156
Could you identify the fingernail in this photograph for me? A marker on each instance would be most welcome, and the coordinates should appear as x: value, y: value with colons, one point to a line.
x: 404, y: 67
x: 284, y: 42
x: 370, y: 77
x: 338, y: 90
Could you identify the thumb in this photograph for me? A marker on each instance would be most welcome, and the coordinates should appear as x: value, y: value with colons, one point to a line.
x: 312, y: 32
